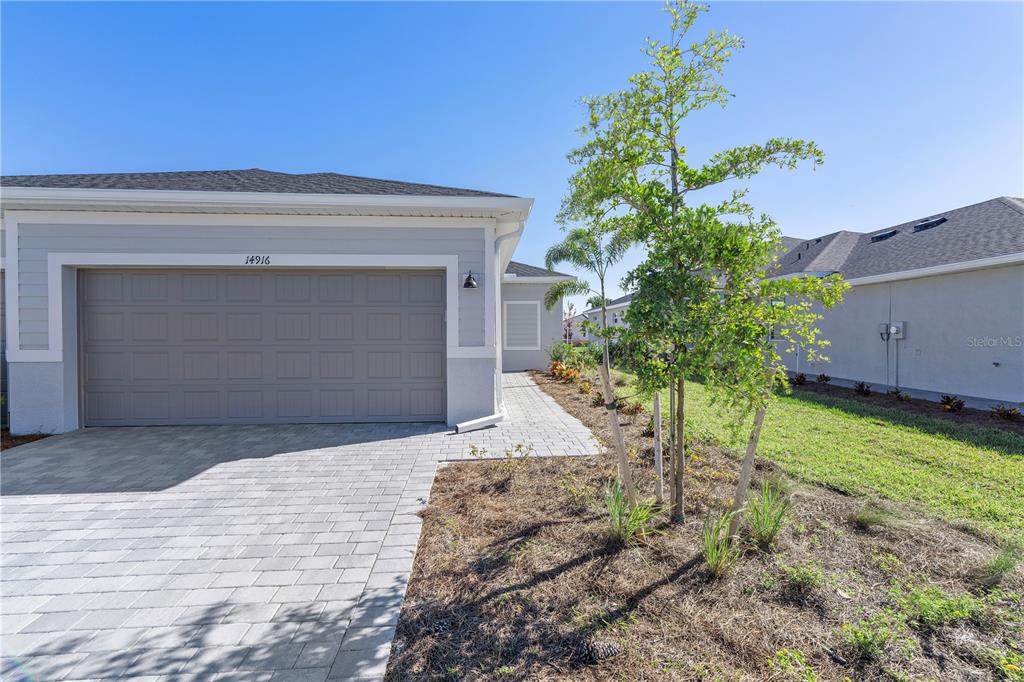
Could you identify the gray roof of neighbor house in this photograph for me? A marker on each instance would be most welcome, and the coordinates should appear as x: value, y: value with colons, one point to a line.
x: 249, y: 180
x: 524, y: 270
x: 984, y: 230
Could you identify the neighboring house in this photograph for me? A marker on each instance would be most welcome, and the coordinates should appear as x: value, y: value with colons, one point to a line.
x: 616, y: 315
x: 250, y: 296
x: 936, y: 305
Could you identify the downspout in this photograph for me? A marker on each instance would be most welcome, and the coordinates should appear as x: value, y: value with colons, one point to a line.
x: 499, y: 416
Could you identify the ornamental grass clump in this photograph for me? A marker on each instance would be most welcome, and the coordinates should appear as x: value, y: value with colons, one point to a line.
x: 767, y: 515
x: 720, y: 549
x: 626, y: 523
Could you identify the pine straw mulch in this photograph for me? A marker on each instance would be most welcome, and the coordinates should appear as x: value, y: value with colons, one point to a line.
x: 8, y: 441
x: 928, y: 408
x: 515, y: 578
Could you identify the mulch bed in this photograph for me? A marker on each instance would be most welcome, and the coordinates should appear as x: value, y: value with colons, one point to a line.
x: 920, y: 406
x: 9, y: 441
x: 516, y: 578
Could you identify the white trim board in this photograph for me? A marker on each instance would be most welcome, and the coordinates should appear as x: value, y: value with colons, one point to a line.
x: 56, y: 262
x: 504, y: 324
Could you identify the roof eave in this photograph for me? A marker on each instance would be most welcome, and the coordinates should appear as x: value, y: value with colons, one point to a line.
x: 526, y: 279
x: 43, y: 198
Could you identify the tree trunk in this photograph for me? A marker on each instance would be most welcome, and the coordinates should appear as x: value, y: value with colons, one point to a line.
x: 659, y: 485
x: 747, y: 470
x: 671, y: 440
x: 679, y: 454
x: 613, y: 416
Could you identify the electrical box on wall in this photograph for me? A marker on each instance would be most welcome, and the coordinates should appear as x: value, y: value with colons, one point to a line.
x: 893, y: 330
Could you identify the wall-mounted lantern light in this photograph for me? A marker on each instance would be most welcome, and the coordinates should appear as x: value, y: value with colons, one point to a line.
x: 470, y: 282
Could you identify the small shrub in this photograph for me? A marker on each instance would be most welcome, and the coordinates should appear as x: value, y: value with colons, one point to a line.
x: 823, y: 379
x: 719, y: 548
x: 767, y: 515
x: 870, y: 517
x: 626, y: 523
x: 929, y: 608
x: 648, y: 430
x: 950, y: 403
x: 514, y: 460
x: 862, y: 388
x: 800, y: 580
x: 577, y: 491
x: 570, y: 375
x: 586, y: 387
x: 1007, y: 412
x: 556, y: 369
x: 869, y: 637
x: 1008, y: 663
x: 792, y: 664
x: 898, y: 394
x: 995, y: 571
x: 798, y: 379
x: 631, y: 409
x: 597, y: 400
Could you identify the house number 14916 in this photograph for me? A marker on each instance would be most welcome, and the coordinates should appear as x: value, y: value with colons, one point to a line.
x: 257, y: 260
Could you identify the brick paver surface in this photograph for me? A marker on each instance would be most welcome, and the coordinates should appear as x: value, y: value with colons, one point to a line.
x: 228, y: 552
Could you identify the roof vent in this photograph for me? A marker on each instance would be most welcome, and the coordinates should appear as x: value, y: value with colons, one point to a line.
x: 882, y: 236
x: 928, y: 224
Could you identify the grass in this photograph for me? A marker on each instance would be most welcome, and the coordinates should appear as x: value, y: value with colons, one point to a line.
x: 962, y: 473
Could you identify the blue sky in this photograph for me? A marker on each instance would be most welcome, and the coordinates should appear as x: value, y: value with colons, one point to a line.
x: 918, y: 106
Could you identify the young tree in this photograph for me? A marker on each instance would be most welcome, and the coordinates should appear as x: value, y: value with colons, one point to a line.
x: 759, y: 316
x: 568, y: 326
x: 634, y: 168
x: 595, y: 249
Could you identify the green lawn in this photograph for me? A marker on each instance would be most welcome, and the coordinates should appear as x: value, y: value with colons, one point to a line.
x: 963, y: 473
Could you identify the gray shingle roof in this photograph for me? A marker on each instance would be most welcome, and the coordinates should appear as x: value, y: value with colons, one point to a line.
x: 984, y: 230
x: 250, y: 180
x: 524, y: 270
x: 615, y: 301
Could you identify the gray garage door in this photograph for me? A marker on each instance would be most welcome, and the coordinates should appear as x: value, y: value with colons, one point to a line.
x: 212, y: 347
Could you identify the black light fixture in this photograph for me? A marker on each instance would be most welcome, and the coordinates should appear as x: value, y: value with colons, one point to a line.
x: 470, y: 282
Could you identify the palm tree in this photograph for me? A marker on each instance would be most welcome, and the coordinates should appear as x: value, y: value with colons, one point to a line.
x: 594, y: 250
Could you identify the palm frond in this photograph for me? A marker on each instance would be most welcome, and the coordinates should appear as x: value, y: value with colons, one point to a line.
x: 569, y: 287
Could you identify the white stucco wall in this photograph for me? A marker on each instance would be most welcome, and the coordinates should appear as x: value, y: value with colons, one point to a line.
x: 964, y: 335
x: 43, y: 395
x: 550, y: 327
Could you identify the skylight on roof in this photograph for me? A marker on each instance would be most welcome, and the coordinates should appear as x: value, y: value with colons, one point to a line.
x: 882, y: 236
x: 928, y: 224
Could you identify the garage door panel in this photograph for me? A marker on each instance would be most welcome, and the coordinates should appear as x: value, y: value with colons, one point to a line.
x: 203, y: 347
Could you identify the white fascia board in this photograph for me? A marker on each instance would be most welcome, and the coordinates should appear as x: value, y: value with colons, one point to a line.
x: 949, y: 268
x: 611, y: 307
x: 53, y: 198
x: 553, y: 279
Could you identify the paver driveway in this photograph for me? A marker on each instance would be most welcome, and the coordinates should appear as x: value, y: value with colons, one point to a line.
x: 256, y: 552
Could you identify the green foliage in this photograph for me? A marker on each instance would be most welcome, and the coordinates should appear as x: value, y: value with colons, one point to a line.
x: 951, y: 403
x: 766, y: 515
x: 862, y: 388
x: 720, y: 549
x: 798, y: 379
x: 1007, y: 663
x: 586, y: 388
x: 583, y: 357
x: 1007, y: 412
x: 869, y: 638
x: 928, y: 608
x: 800, y: 580
x: 792, y: 664
x: 823, y: 378
x: 626, y: 523
x: 1002, y: 565
x: 869, y: 517
x: 957, y: 471
x: 577, y: 491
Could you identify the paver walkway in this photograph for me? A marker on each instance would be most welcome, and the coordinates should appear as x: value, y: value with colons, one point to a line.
x: 226, y: 552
